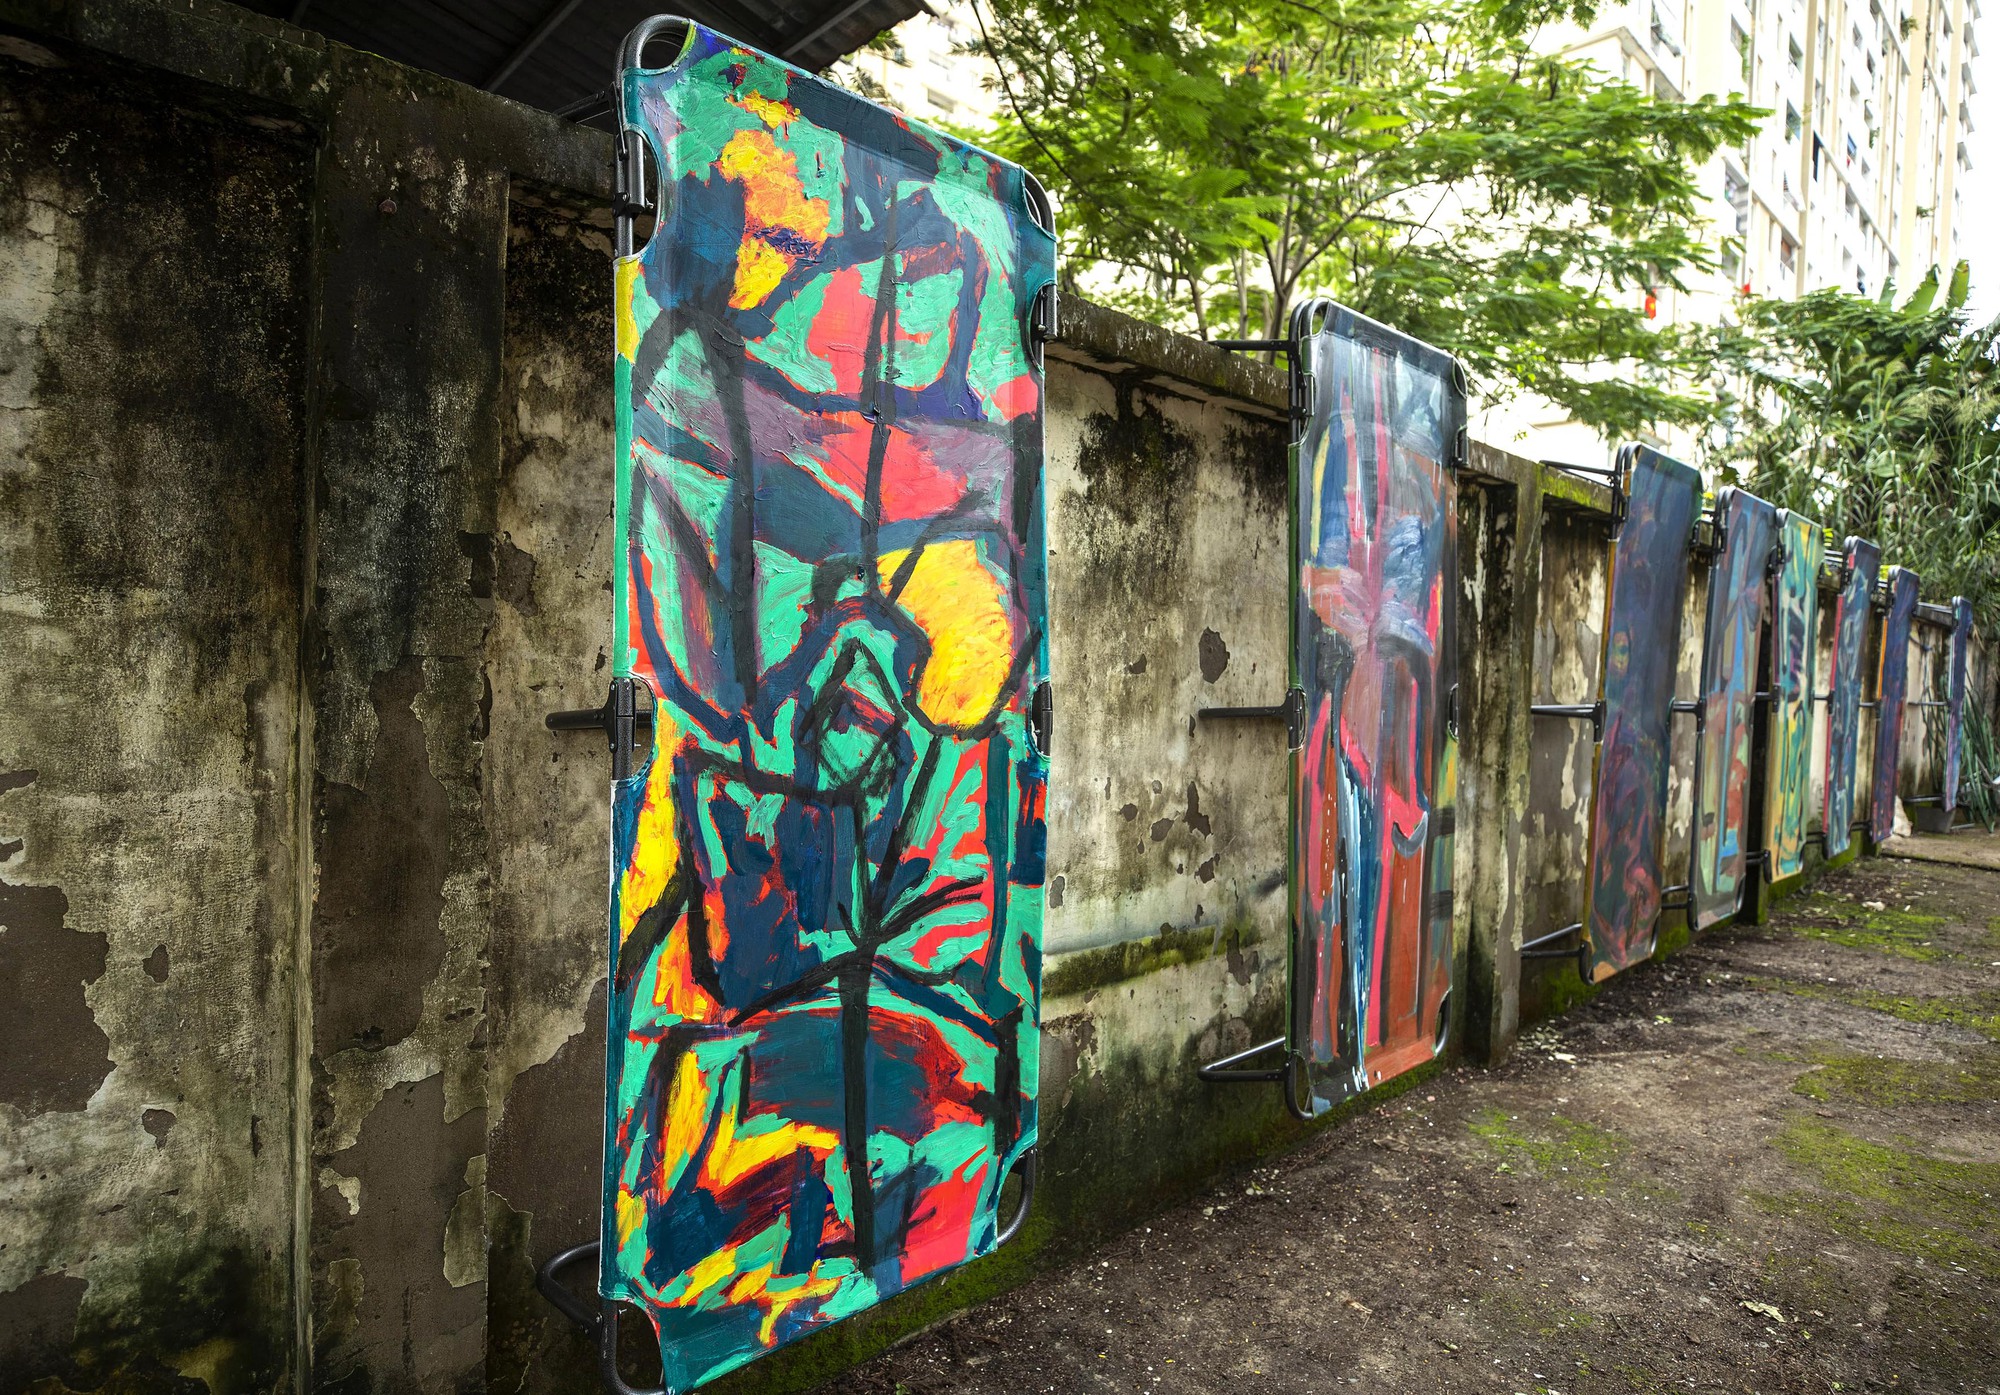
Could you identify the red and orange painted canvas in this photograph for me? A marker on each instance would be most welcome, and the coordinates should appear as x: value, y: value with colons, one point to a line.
x: 1375, y: 520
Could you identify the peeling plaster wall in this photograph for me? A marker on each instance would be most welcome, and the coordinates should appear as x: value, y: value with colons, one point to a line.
x: 1568, y: 652
x: 1167, y: 823
x: 548, y: 793
x: 1921, y: 771
x: 152, y: 302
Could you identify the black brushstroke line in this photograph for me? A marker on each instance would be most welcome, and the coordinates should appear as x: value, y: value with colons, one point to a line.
x: 854, y: 979
x: 877, y: 362
x: 999, y: 848
x: 883, y: 882
x: 742, y: 530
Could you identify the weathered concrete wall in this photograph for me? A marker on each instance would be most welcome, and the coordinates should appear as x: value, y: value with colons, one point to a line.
x: 253, y: 296
x: 1567, y: 656
x: 153, y: 295
x: 306, y: 477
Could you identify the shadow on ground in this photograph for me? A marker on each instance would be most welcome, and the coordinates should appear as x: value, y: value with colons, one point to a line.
x: 1770, y: 1164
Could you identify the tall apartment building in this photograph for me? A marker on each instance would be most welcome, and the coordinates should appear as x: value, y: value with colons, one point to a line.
x: 1855, y: 177
x: 920, y: 68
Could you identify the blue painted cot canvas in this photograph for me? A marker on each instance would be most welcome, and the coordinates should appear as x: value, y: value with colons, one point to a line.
x: 1891, y: 688
x: 1794, y: 635
x: 1954, y: 725
x: 1738, y: 598
x: 1628, y: 801
x: 1862, y: 562
x: 1375, y: 519
x: 827, y: 873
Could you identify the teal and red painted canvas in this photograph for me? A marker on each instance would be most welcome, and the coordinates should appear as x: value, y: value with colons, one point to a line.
x: 1891, y: 689
x: 1954, y: 723
x: 1738, y: 596
x: 1794, y: 635
x: 1628, y: 801
x: 1863, y: 561
x: 1375, y: 525
x: 827, y: 874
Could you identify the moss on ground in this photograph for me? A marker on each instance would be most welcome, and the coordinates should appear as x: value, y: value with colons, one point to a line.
x: 1885, y: 1083
x: 1891, y: 1195
x: 1978, y: 1012
x: 1583, y: 1151
x: 1909, y: 934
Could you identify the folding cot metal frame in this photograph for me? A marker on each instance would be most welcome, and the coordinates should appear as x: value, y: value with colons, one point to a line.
x: 1303, y: 323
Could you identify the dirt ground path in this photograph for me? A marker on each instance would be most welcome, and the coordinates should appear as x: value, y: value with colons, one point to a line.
x: 1770, y: 1164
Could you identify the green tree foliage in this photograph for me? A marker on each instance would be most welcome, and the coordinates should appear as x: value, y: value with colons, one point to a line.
x: 1883, y: 420
x: 1416, y: 159
x: 1879, y: 419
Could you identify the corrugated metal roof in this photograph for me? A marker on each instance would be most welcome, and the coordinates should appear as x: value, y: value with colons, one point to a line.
x: 555, y: 54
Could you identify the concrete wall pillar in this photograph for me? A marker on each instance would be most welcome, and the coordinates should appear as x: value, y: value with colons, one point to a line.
x: 1499, y: 542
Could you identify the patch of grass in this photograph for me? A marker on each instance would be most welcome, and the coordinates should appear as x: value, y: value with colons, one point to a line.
x: 1892, y: 1195
x: 1885, y: 1084
x: 1583, y: 1152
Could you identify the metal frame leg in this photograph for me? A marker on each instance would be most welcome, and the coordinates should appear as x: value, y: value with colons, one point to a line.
x: 601, y: 1324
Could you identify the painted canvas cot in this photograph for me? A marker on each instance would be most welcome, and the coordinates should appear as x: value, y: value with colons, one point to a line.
x: 1862, y: 562
x: 1628, y: 800
x: 1794, y: 629
x: 1891, y: 688
x: 1738, y: 593
x: 827, y: 898
x: 1954, y: 717
x: 1375, y: 524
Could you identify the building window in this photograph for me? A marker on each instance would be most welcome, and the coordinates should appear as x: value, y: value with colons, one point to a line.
x: 1662, y: 39
x: 1793, y: 125
x: 1788, y: 255
x: 1736, y: 190
x: 1740, y: 41
x: 1796, y: 54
